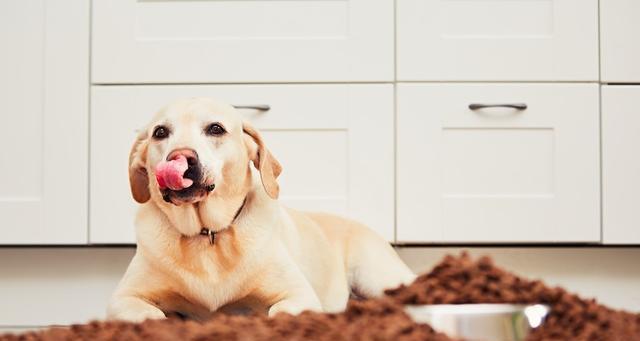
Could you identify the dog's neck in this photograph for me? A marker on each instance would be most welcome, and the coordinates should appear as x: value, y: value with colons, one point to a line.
x: 210, y: 233
x: 217, y: 213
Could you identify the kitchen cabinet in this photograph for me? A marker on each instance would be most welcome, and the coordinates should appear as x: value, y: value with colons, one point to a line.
x: 552, y: 40
x: 326, y: 67
x: 44, y: 90
x: 524, y: 169
x: 620, y: 41
x: 620, y: 164
x: 242, y: 41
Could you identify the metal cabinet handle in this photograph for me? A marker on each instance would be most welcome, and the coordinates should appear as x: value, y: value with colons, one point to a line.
x: 517, y: 106
x: 260, y: 107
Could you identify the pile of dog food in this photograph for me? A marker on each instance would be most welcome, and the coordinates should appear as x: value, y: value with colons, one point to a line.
x: 454, y: 280
x: 362, y: 320
x: 458, y: 280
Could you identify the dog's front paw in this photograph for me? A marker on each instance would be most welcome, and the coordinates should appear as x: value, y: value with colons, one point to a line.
x: 293, y: 307
x: 133, y: 310
x: 139, y: 316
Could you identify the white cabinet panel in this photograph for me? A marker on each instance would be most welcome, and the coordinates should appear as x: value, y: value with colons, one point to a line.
x: 620, y: 41
x: 335, y: 143
x: 489, y: 40
x: 44, y: 94
x: 620, y: 164
x: 498, y: 174
x: 170, y: 41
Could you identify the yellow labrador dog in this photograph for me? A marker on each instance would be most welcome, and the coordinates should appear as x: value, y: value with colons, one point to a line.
x: 225, y: 241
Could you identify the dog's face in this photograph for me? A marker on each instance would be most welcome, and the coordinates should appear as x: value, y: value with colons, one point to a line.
x: 217, y: 145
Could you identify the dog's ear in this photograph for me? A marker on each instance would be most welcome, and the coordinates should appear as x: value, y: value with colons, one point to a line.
x: 138, y: 177
x: 264, y: 161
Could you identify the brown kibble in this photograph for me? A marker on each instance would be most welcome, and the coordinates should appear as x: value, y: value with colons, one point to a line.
x: 380, y: 319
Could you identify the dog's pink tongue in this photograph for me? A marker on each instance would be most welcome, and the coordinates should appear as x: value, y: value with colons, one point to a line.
x: 170, y: 174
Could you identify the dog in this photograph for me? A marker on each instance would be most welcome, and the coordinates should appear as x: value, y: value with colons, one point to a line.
x: 225, y: 242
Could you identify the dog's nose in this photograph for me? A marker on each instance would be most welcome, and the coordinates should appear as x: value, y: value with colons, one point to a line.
x: 188, y: 153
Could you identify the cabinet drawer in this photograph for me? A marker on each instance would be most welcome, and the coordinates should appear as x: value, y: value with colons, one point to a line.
x: 487, y: 40
x: 172, y: 41
x: 498, y: 174
x: 620, y: 164
x: 335, y: 143
x: 620, y: 41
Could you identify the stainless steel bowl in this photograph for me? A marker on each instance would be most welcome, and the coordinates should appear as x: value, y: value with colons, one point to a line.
x: 486, y: 322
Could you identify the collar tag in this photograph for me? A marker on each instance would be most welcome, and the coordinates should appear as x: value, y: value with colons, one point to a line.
x: 206, y: 232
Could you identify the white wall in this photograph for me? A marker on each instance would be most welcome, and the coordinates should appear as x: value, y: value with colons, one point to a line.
x: 40, y: 286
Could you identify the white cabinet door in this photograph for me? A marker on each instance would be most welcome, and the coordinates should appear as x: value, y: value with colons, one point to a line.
x: 174, y: 41
x: 620, y: 164
x: 620, y: 41
x: 498, y: 174
x: 488, y: 40
x: 44, y: 94
x: 335, y: 143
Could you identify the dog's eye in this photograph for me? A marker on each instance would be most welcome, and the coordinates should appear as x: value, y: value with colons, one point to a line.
x: 214, y: 129
x: 161, y: 132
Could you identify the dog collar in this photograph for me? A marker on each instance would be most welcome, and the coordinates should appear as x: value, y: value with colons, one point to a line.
x: 206, y: 232
x: 212, y: 234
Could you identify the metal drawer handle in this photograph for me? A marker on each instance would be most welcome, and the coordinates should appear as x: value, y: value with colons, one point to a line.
x: 260, y: 107
x: 517, y: 106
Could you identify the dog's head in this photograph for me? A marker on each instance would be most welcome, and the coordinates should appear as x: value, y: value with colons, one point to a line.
x: 217, y: 145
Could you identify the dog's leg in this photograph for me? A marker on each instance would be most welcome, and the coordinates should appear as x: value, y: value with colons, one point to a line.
x: 295, y: 293
x: 337, y: 290
x: 293, y: 305
x: 128, y: 302
x: 300, y: 297
x: 133, y: 309
x: 374, y: 266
